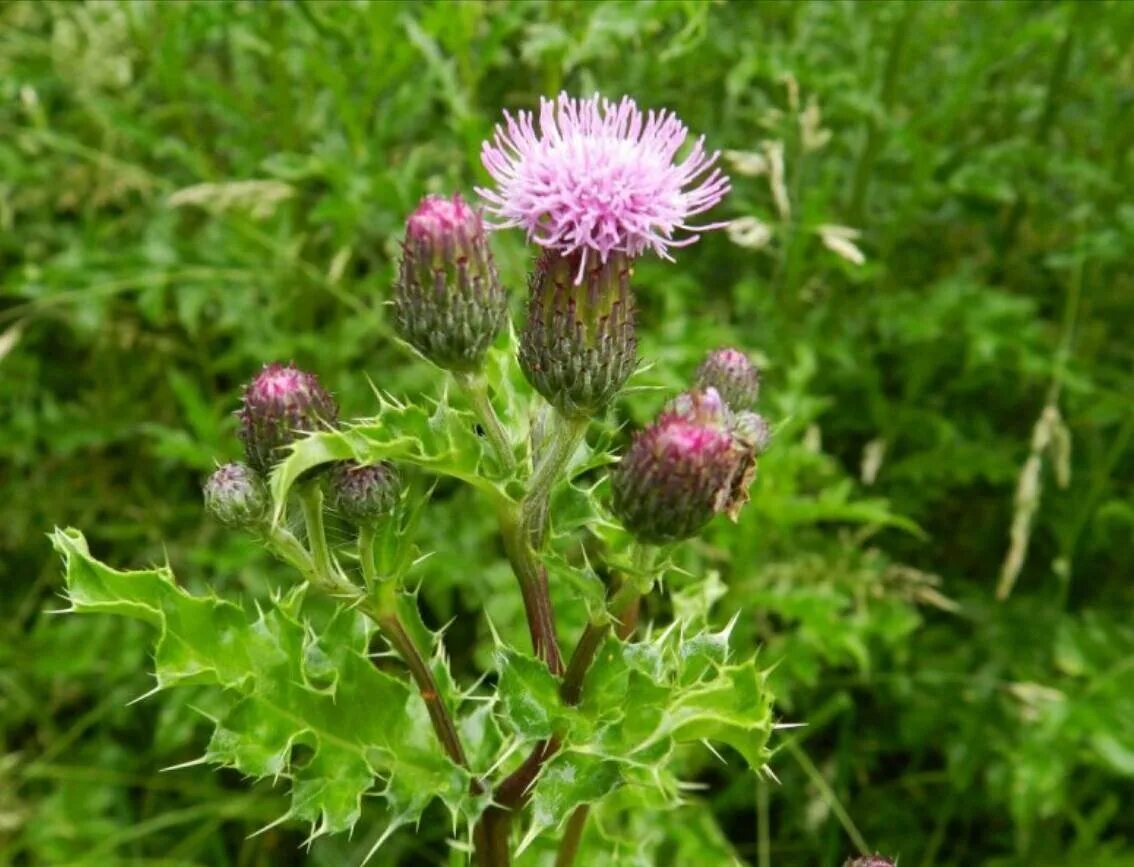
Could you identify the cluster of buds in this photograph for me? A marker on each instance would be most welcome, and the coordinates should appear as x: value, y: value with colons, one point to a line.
x: 697, y: 459
x: 280, y: 405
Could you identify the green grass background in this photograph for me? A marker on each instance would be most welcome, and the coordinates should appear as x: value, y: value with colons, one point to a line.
x: 982, y: 149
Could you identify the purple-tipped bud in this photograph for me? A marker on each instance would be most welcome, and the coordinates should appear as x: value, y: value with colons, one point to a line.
x: 752, y: 428
x: 280, y: 405
x: 578, y: 346
x: 681, y: 471
x: 869, y: 861
x: 364, y: 494
x: 237, y: 496
x: 448, y: 302
x: 733, y: 374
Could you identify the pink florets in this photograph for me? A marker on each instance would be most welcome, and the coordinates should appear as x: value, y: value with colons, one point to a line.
x: 436, y: 216
x: 275, y: 382
x: 599, y: 177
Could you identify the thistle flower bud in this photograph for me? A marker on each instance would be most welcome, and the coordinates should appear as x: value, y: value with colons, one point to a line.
x: 681, y: 471
x: 364, y: 494
x: 752, y: 428
x: 280, y: 405
x: 733, y: 374
x: 869, y: 861
x: 237, y: 496
x: 578, y: 346
x: 448, y: 302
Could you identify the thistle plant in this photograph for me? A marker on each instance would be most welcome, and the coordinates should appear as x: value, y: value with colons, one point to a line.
x: 518, y: 758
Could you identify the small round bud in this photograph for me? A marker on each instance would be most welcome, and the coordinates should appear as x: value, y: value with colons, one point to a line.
x: 681, y: 471
x: 752, y: 428
x: 733, y: 374
x: 280, y: 405
x: 364, y: 494
x: 869, y: 861
x: 237, y: 496
x: 448, y: 302
x: 578, y: 346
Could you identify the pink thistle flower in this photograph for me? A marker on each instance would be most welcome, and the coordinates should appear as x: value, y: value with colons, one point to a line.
x: 600, y: 177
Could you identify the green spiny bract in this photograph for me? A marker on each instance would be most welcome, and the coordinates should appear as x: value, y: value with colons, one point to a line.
x: 448, y: 302
x: 362, y: 494
x: 578, y: 346
x: 237, y: 496
x: 682, y: 470
x: 280, y: 405
x: 733, y: 375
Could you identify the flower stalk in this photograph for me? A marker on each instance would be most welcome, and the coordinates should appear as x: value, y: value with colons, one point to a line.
x: 476, y: 390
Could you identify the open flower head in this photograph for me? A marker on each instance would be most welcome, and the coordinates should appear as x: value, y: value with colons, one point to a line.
x: 600, y: 177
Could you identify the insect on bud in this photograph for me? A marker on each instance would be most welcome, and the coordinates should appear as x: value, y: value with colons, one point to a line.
x: 578, y: 346
x: 448, y: 302
x: 682, y: 470
x: 752, y: 428
x: 280, y: 405
x: 237, y: 496
x: 733, y: 374
x: 364, y: 494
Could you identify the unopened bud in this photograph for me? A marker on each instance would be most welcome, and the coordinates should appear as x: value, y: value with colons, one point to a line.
x: 733, y: 374
x: 869, y: 861
x: 237, y: 496
x: 448, y: 302
x: 681, y: 471
x: 364, y: 494
x: 280, y: 405
x: 578, y: 346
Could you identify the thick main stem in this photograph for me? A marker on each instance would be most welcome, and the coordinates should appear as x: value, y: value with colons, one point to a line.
x: 521, y: 528
x: 394, y: 632
x: 532, y: 577
x: 513, y: 792
x: 572, y: 836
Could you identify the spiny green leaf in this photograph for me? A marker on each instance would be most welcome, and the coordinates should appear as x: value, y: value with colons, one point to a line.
x: 308, y: 707
x: 642, y: 699
x: 569, y: 780
x: 442, y: 440
x: 529, y: 695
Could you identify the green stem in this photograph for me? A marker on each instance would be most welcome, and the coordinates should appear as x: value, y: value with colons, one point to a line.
x: 572, y: 836
x: 827, y: 794
x: 476, y: 389
x: 289, y: 549
x: 311, y: 500
x: 366, y: 557
x: 571, y: 690
x: 532, y: 577
x: 763, y: 821
x: 562, y: 440
x: 394, y: 632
